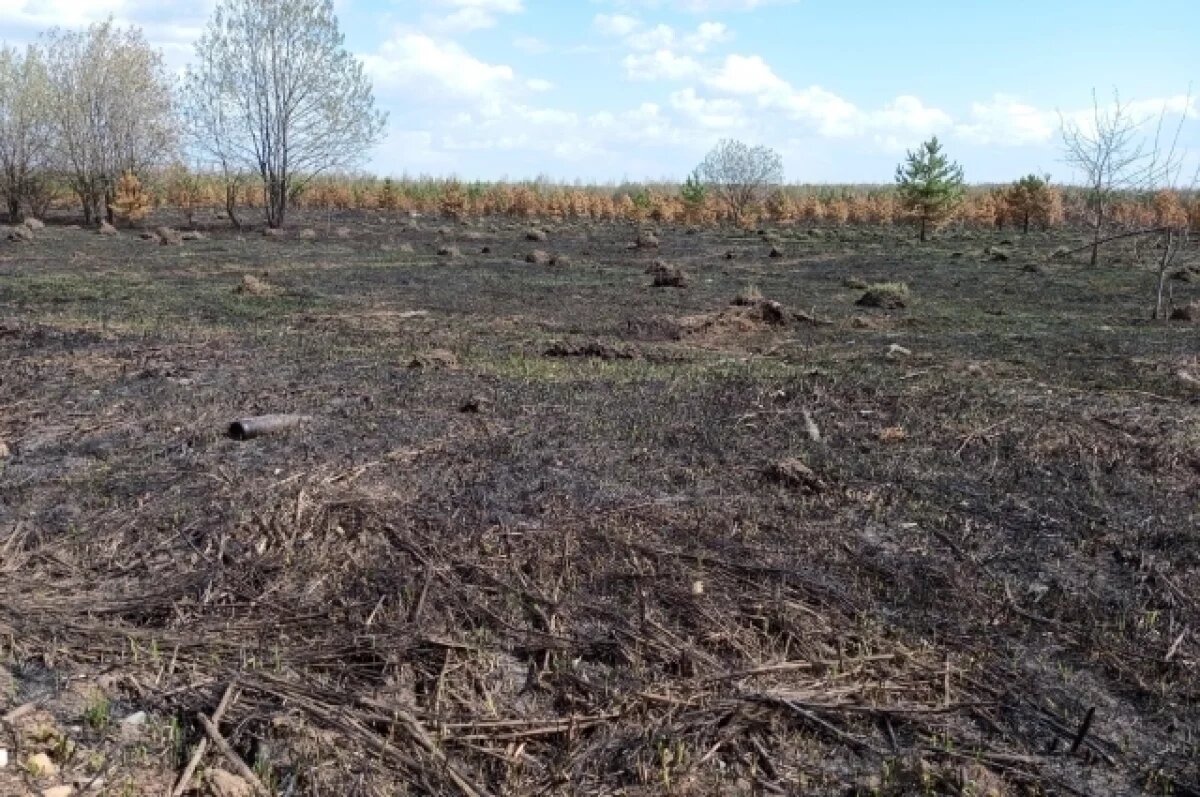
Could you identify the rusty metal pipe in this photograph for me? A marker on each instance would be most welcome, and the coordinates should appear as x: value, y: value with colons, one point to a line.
x: 259, y: 425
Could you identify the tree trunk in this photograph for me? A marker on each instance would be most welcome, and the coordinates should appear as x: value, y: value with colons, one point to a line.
x: 923, y: 228
x: 1096, y: 234
x: 1025, y: 226
x: 14, y: 208
x: 1163, y: 264
x: 231, y: 204
x: 276, y: 189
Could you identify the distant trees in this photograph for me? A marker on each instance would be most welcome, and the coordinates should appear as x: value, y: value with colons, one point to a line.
x: 111, y: 109
x: 739, y: 175
x: 1030, y: 199
x: 929, y: 184
x: 25, y: 136
x: 274, y: 90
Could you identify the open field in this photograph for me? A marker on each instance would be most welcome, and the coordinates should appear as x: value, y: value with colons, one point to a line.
x: 552, y: 530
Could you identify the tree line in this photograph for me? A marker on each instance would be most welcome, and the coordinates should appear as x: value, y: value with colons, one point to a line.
x: 272, y: 95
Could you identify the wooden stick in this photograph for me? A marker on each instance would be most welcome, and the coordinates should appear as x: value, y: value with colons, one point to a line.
x: 1083, y: 730
x: 202, y: 745
x: 232, y: 757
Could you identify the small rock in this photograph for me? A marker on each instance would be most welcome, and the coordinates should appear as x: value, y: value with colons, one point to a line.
x: 896, y: 350
x: 35, y: 224
x: 58, y: 791
x: 168, y: 236
x: 535, y: 235
x: 226, y: 784
x: 538, y: 258
x: 135, y: 719
x: 107, y: 229
x: 1188, y: 312
x: 772, y: 311
x: 473, y: 405
x: 20, y: 234
x: 40, y: 766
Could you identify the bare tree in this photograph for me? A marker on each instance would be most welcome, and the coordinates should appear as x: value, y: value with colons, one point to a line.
x: 25, y: 136
x: 739, y: 174
x: 1112, y: 155
x: 275, y: 90
x: 111, y: 106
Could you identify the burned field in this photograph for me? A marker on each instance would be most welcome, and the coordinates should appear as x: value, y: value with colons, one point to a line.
x: 574, y: 521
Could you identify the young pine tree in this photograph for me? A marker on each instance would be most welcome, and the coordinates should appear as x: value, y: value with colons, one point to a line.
x: 929, y: 184
x: 1030, y: 199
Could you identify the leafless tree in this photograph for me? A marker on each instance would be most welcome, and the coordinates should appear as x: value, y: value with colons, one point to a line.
x: 739, y: 174
x: 275, y: 91
x: 1112, y: 154
x: 111, y: 107
x: 25, y: 135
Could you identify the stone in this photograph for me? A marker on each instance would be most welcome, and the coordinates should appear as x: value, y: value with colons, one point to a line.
x: 536, y: 235
x: 226, y: 784
x: 168, y: 236
x: 647, y: 240
x: 20, y: 234
x: 35, y: 224
x: 58, y: 791
x: 107, y: 229
x: 40, y: 766
x: 538, y: 258
x: 896, y: 350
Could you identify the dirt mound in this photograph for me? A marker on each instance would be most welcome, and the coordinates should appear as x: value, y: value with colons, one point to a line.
x: 435, y: 358
x: 1188, y: 312
x: 666, y: 275
x: 107, y: 229
x: 646, y: 240
x: 733, y: 325
x: 536, y: 235
x: 591, y: 349
x: 254, y: 286
x: 538, y: 257
x: 886, y: 296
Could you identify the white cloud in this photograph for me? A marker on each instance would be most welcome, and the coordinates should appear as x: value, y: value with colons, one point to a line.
x: 712, y: 114
x: 468, y: 15
x: 538, y: 84
x: 615, y: 24
x: 419, y: 63
x: 1006, y: 121
x: 660, y: 65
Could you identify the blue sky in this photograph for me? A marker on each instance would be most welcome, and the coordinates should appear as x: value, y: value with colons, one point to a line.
x: 606, y: 90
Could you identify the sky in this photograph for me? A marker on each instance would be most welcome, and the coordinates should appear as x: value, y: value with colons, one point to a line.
x: 615, y: 90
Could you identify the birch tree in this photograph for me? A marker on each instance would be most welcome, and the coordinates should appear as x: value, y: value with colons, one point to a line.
x: 739, y: 174
x: 111, y: 109
x: 274, y: 90
x: 25, y: 135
